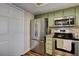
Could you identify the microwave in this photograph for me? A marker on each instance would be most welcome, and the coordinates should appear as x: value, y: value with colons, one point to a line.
x: 67, y: 21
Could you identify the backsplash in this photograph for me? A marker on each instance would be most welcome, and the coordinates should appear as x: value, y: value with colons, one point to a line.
x: 73, y: 30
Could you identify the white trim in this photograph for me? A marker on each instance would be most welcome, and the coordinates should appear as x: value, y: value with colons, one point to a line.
x: 12, y: 5
x: 25, y: 51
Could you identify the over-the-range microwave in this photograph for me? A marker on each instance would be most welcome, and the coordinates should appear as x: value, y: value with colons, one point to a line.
x: 67, y: 21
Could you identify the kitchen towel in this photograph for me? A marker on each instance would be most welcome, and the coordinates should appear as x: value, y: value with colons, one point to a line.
x: 60, y: 43
x: 67, y: 45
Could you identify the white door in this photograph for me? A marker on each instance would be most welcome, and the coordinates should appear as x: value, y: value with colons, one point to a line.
x: 11, y: 30
x: 4, y: 36
x: 16, y: 32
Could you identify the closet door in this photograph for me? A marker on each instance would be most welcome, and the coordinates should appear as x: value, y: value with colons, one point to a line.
x: 16, y: 31
x: 3, y: 30
x: 11, y: 30
x: 19, y: 34
x: 4, y: 11
x: 3, y: 35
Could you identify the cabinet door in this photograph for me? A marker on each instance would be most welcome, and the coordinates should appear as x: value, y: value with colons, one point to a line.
x: 53, y: 45
x: 45, y: 15
x: 58, y: 14
x: 51, y: 20
x: 69, y: 12
x: 77, y: 16
x: 49, y: 51
x: 49, y: 45
x: 42, y: 16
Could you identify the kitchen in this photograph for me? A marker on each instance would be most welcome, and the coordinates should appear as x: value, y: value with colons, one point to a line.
x: 41, y: 29
x: 62, y: 33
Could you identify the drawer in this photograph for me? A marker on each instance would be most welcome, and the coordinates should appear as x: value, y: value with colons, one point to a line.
x: 49, y: 38
x: 49, y: 42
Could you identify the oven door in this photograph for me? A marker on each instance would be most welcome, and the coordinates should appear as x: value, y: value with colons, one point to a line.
x: 65, y: 45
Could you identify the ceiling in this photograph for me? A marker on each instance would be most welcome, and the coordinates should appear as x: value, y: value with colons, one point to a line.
x: 44, y: 9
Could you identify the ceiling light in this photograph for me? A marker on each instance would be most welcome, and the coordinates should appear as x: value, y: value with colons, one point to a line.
x: 40, y: 4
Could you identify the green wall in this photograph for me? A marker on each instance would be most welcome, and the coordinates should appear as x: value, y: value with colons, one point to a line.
x: 73, y: 11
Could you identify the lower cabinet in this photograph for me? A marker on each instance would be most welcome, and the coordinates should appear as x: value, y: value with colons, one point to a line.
x: 76, y: 48
x: 50, y: 45
x: 49, y: 51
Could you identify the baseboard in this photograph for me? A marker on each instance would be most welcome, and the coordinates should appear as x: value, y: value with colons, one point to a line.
x: 25, y: 52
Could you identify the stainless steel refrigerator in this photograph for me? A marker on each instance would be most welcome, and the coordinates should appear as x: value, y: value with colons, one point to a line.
x: 39, y: 29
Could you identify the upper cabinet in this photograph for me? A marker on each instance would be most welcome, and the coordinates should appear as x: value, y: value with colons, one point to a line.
x: 74, y: 11
x: 41, y: 16
x: 77, y: 16
x: 69, y: 12
x: 58, y: 14
x: 45, y: 15
x: 51, y: 19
